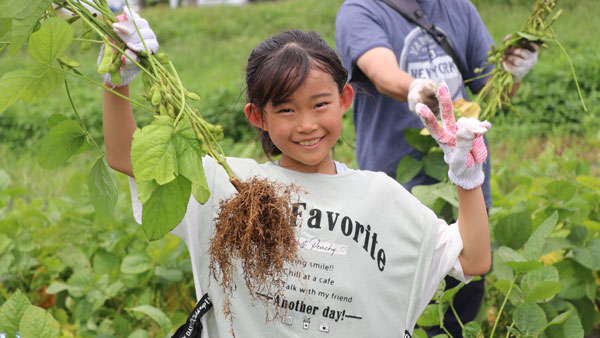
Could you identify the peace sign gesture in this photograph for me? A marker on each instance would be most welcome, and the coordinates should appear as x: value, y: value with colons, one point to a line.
x: 461, y: 141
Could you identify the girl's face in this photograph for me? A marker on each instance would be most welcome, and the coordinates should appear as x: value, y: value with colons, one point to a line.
x: 308, y: 124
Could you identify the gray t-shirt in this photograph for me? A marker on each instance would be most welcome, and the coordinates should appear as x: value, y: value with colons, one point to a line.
x: 380, y: 120
x: 373, y: 255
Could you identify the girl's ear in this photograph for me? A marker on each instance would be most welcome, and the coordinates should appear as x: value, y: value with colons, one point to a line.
x: 346, y: 97
x: 253, y: 116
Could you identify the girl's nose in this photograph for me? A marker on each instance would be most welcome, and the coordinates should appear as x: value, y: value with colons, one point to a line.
x: 307, y: 122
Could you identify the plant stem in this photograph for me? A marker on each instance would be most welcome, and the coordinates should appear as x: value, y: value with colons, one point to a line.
x: 100, y: 84
x: 503, y: 304
x: 508, y: 331
x: 85, y: 131
x: 180, y: 85
x: 462, y: 326
x: 112, y: 34
x: 87, y: 40
x: 572, y: 72
x: 141, y: 38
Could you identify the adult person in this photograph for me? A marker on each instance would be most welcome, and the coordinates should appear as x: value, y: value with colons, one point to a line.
x: 394, y: 64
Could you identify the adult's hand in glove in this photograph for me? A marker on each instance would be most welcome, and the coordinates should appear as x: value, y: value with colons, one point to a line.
x: 125, y: 29
x: 462, y: 141
x: 422, y: 91
x: 518, y: 60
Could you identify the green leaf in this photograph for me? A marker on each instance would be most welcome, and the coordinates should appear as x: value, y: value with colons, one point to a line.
x: 424, y: 193
x: 60, y: 144
x: 407, y: 169
x: 572, y: 327
x: 200, y: 192
x: 501, y: 270
x: 546, y: 273
x: 136, y: 263
x: 422, y: 143
x: 447, y: 192
x: 50, y: 41
x: 153, y: 153
x: 429, y: 317
x: 471, y: 330
x: 448, y: 295
x: 5, y: 182
x: 157, y: 315
x: 535, y: 243
x: 172, y: 275
x: 507, y: 254
x: 514, y: 229
x: 165, y: 208
x: 139, y: 333
x: 590, y: 255
x: 589, y: 182
x: 5, y: 26
x: 56, y: 287
x: 11, y: 312
x: 12, y: 85
x: 561, y: 318
x: 18, y: 9
x: 25, y: 20
x: 435, y: 166
x: 529, y: 318
x: 419, y: 333
x: 189, y: 160
x: 55, y: 119
x: 105, y: 262
x: 103, y: 189
x: 572, y: 288
x: 543, y: 291
x: 42, y: 82
x: 37, y: 323
x: 523, y: 267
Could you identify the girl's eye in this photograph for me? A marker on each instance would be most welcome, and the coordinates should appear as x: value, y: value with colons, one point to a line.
x: 322, y: 104
x: 285, y: 110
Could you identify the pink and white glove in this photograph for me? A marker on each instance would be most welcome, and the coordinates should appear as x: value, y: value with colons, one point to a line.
x: 462, y: 141
x: 519, y: 60
x: 125, y: 29
x: 422, y: 91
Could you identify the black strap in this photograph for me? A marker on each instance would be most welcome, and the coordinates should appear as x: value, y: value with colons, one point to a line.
x: 193, y: 326
x: 411, y: 10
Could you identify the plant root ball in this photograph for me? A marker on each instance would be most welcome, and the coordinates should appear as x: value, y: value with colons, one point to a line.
x: 255, y: 227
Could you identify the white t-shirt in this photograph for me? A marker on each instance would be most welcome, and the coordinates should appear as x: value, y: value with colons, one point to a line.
x: 374, y: 255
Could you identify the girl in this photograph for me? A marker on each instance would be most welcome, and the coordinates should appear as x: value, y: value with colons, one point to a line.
x: 373, y: 255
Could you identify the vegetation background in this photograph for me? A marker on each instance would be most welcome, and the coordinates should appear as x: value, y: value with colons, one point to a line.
x: 103, y: 278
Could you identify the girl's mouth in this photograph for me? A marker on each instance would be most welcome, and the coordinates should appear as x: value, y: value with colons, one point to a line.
x: 308, y: 143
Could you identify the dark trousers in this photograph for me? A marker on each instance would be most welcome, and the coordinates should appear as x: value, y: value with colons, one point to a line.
x: 466, y: 302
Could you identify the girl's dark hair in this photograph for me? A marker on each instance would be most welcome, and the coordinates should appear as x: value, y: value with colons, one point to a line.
x: 280, y: 64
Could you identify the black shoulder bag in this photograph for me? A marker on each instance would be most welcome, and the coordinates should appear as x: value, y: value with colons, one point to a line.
x: 411, y: 10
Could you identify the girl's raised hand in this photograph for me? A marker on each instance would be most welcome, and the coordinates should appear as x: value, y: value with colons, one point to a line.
x: 125, y: 29
x: 462, y: 141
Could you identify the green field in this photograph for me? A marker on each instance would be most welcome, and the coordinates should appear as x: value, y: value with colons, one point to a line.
x: 99, y: 277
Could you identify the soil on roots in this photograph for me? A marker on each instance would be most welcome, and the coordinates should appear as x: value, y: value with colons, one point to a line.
x: 255, y: 228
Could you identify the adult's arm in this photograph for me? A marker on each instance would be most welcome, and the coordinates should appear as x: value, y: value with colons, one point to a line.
x: 119, y: 125
x: 380, y: 65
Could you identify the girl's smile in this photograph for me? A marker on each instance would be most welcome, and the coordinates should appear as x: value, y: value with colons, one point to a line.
x: 306, y: 125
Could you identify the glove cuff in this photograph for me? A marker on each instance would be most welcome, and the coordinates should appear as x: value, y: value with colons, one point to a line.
x: 468, y: 179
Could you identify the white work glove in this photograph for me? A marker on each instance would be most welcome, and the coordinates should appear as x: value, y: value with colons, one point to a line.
x: 462, y: 141
x: 125, y: 29
x: 518, y: 60
x: 422, y: 91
